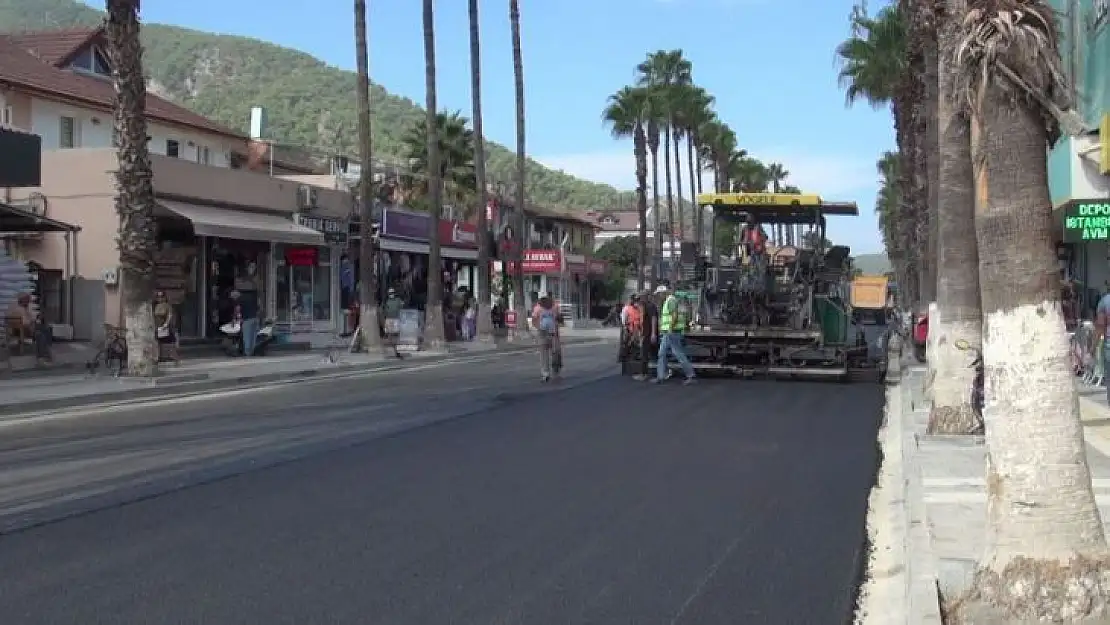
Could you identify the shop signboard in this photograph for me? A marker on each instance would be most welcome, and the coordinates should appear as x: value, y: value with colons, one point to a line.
x: 458, y: 234
x: 1087, y: 220
x: 598, y: 267
x: 400, y: 224
x: 542, y: 261
x: 335, y: 230
x: 408, y: 337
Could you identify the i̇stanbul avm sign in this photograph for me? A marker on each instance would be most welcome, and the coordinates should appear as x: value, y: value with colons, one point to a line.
x: 1087, y: 221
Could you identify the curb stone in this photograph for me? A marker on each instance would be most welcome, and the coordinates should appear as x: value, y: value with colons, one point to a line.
x: 185, y: 385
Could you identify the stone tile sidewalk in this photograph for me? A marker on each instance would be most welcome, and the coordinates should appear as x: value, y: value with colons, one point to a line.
x: 934, y: 524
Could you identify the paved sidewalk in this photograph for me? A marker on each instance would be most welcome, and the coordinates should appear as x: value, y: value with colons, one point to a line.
x: 928, y: 515
x: 27, y: 394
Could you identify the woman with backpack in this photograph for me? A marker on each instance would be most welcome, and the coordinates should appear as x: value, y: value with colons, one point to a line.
x: 546, y: 321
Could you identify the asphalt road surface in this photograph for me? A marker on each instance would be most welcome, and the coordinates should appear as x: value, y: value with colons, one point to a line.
x: 455, y: 494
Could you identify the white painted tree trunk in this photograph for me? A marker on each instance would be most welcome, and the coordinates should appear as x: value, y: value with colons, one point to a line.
x: 142, y: 349
x: 931, y: 351
x: 1040, y: 504
x: 954, y: 375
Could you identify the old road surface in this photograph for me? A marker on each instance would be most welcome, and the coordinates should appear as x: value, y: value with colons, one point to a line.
x: 454, y: 494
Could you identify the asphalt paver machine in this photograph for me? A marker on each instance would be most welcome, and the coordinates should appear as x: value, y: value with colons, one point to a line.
x: 781, y: 307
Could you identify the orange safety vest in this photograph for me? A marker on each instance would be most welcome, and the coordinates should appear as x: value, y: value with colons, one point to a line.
x: 633, y: 319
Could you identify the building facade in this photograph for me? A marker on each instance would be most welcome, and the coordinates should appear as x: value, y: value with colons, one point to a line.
x: 1079, y: 166
x: 224, y: 222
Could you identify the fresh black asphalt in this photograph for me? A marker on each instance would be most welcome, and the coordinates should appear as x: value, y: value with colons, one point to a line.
x: 463, y: 495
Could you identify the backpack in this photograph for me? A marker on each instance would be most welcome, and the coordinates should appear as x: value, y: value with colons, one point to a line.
x: 548, y: 322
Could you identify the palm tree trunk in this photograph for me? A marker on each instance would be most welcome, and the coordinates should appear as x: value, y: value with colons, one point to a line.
x: 666, y: 134
x: 135, y: 189
x: 958, y: 313
x: 518, y: 82
x: 1044, y: 529
x: 485, y: 325
x: 678, y: 183
x: 696, y: 221
x: 655, y: 215
x: 433, y: 310
x: 640, y: 141
x: 369, y: 327
x: 932, y: 169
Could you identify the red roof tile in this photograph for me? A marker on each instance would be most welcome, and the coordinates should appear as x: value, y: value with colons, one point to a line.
x: 54, y: 47
x: 21, y: 69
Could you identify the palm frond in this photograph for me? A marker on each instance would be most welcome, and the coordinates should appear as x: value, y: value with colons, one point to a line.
x: 1012, y: 45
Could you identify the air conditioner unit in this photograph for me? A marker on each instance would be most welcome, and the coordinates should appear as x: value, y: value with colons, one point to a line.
x: 306, y: 197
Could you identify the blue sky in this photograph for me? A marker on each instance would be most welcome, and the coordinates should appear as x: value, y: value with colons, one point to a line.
x: 770, y: 64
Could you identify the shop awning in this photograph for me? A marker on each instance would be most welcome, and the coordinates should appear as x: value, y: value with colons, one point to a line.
x: 227, y: 223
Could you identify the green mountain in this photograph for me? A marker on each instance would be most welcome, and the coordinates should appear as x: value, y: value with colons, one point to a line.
x: 872, y: 264
x: 309, y: 103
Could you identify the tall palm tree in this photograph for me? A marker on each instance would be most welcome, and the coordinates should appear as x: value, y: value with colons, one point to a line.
x: 134, y: 187
x: 958, y: 314
x: 1044, y: 527
x: 518, y: 88
x: 875, y: 68
x: 369, y: 329
x: 485, y: 326
x: 456, y: 158
x: 433, y: 310
x: 626, y: 116
x: 663, y: 70
x: 696, y: 108
x: 654, y: 119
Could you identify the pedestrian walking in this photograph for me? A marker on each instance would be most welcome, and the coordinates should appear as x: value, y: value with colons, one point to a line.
x: 545, y: 320
x: 673, y: 323
x: 649, y: 321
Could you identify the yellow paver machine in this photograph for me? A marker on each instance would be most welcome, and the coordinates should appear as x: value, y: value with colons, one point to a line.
x: 779, y: 303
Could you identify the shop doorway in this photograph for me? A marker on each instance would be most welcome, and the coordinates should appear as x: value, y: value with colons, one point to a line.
x: 303, y: 288
x: 233, y: 265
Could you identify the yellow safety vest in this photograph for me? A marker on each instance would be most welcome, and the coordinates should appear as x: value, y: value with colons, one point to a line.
x: 672, y: 317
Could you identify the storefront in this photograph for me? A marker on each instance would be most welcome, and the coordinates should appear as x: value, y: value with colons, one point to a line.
x: 207, y: 253
x: 403, y: 240
x: 1084, y: 254
x: 545, y: 273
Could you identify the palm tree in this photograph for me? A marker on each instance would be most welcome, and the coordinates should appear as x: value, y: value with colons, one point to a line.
x: 135, y: 189
x: 875, y: 68
x: 695, y: 109
x: 485, y: 327
x: 369, y: 329
x: 1044, y: 527
x: 662, y: 71
x: 518, y: 88
x: 958, y: 314
x: 654, y: 120
x: 625, y: 116
x: 456, y: 158
x: 777, y: 174
x: 433, y: 311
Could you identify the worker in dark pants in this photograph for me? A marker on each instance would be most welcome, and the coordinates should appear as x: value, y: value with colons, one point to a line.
x: 649, y: 320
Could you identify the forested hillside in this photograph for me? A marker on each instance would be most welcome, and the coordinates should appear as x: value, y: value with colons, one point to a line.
x: 309, y: 103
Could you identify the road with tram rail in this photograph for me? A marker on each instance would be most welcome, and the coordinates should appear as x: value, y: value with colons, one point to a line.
x: 446, y: 493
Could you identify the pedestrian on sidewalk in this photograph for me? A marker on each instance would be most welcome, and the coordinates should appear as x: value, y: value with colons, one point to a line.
x: 673, y: 323
x: 1102, y: 320
x: 649, y: 315
x: 546, y: 321
x: 165, y: 328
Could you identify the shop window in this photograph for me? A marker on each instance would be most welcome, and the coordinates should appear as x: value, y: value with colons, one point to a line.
x: 321, y: 286
x: 303, y: 283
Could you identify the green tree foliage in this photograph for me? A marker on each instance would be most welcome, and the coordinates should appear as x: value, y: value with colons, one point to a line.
x: 309, y: 103
x: 456, y: 154
x: 620, y: 252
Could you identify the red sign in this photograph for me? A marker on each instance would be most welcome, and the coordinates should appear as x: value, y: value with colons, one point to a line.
x: 510, y: 318
x: 542, y: 261
x: 458, y: 234
x: 301, y: 256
